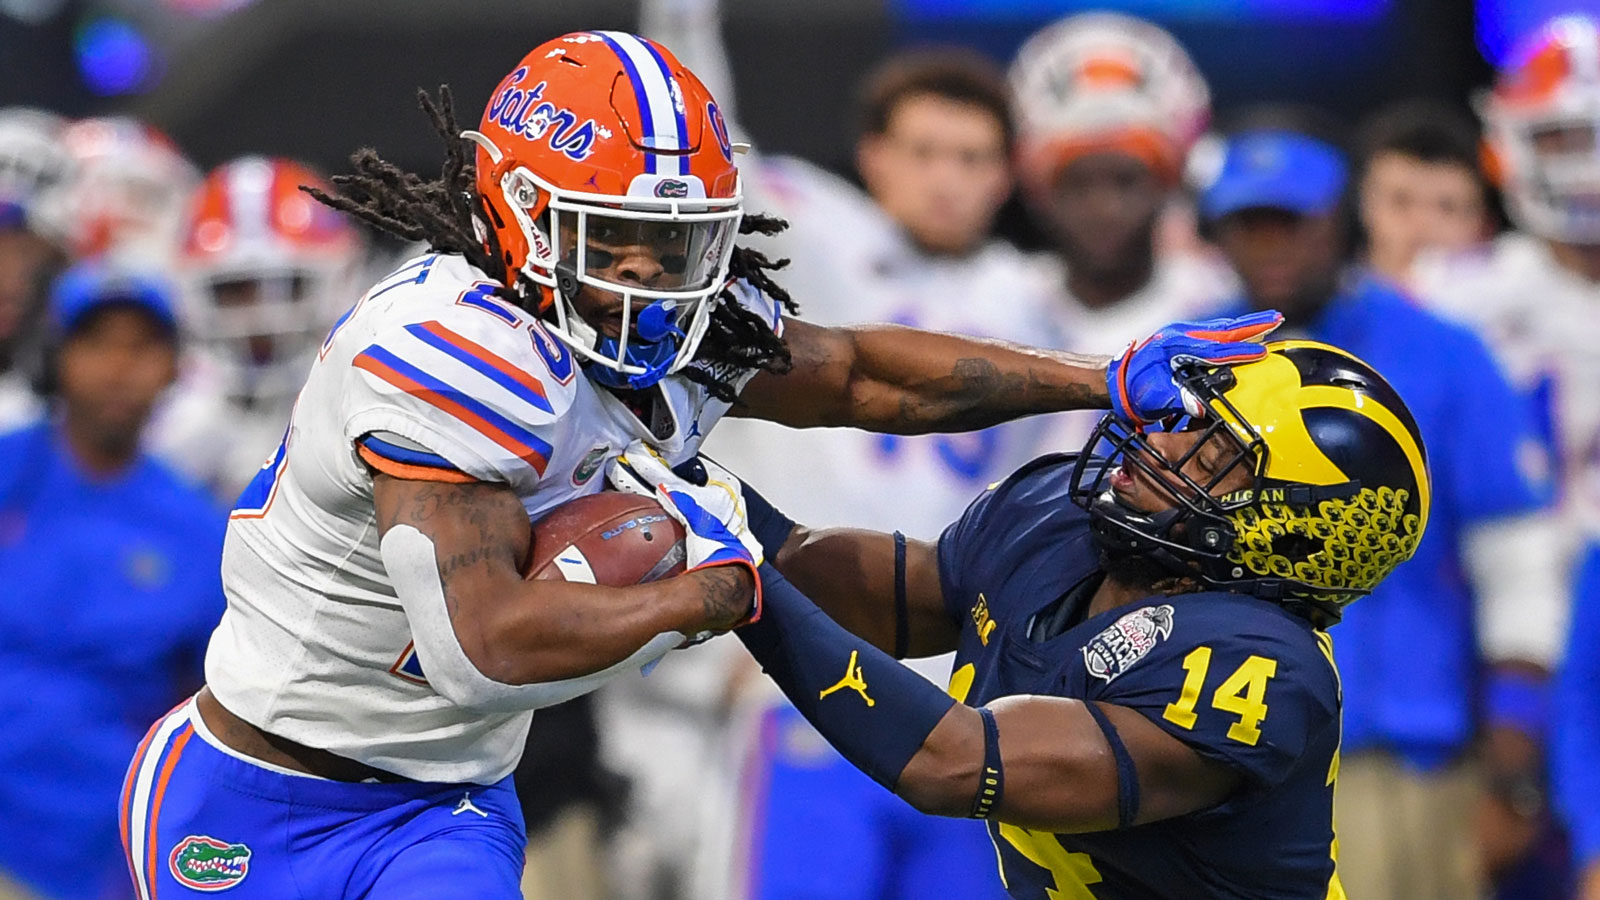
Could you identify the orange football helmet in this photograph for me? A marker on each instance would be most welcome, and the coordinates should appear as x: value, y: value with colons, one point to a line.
x: 604, y: 163
x: 1100, y: 81
x: 266, y: 271
x: 123, y: 194
x: 1543, y: 128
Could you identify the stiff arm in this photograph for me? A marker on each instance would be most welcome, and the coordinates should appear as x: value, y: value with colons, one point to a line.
x: 1060, y: 769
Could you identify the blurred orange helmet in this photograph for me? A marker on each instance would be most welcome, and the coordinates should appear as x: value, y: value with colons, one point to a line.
x: 1105, y: 82
x: 123, y: 194
x: 1542, y: 123
x: 601, y: 137
x: 267, y: 269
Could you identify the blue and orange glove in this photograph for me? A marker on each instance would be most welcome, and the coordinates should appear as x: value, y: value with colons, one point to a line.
x: 1141, y: 379
x: 716, y: 527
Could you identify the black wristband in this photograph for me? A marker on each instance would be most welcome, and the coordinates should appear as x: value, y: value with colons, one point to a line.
x: 1127, y: 775
x: 902, y: 628
x: 992, y: 780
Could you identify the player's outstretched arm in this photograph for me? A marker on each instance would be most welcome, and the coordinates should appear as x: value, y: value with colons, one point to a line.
x: 855, y: 577
x: 905, y: 381
x: 884, y: 588
x: 456, y: 552
x: 1037, y: 762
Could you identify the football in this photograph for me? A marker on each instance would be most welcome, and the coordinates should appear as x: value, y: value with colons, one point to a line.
x: 609, y: 538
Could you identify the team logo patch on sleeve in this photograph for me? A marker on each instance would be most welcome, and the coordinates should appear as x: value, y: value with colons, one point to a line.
x: 207, y: 864
x: 1127, y: 640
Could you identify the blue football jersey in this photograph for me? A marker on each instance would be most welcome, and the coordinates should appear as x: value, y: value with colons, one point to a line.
x: 1238, y: 679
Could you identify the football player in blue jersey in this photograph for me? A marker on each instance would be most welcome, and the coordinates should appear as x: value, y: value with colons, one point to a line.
x: 1144, y: 702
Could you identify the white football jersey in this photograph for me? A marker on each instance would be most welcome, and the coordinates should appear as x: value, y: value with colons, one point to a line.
x: 211, y: 438
x: 1539, y: 319
x: 314, y: 645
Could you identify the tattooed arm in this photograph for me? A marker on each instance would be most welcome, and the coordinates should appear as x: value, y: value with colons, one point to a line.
x: 518, y: 632
x: 904, y: 381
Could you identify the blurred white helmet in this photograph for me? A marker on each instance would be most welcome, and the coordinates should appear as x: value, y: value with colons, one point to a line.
x: 123, y: 195
x: 1542, y: 122
x: 267, y: 270
x: 32, y: 161
x: 1105, y: 81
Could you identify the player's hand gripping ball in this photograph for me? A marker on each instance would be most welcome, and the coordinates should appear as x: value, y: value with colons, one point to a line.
x: 609, y: 538
x: 1141, y: 379
x: 712, y: 514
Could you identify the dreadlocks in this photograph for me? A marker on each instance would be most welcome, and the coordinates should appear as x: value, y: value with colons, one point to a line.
x: 446, y: 212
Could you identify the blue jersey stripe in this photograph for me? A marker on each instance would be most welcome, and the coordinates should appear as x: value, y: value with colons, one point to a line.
x: 407, y: 455
x: 481, y: 366
x: 489, y: 417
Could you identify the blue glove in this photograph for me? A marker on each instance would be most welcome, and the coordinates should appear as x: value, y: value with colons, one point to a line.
x: 1141, y: 378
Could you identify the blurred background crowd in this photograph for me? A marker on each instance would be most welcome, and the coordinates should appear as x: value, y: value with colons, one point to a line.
x: 1415, y: 180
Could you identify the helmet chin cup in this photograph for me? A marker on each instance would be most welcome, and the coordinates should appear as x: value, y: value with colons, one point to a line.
x: 658, y: 321
x: 656, y: 360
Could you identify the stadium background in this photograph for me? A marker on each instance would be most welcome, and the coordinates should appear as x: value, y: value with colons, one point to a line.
x: 312, y: 79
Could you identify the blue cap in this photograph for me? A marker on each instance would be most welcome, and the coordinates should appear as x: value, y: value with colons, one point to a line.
x: 87, y: 287
x: 1276, y: 170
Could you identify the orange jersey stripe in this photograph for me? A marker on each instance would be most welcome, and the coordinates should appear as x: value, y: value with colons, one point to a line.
x: 412, y: 472
x: 487, y: 356
x: 523, y: 452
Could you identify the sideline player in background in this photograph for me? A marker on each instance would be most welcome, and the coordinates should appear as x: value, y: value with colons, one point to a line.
x: 1483, y: 602
x: 1143, y: 637
x: 916, y: 247
x: 1108, y: 108
x: 124, y: 194
x: 1534, y: 294
x: 266, y: 270
x: 370, y: 685
x: 32, y: 160
x: 1421, y: 192
x: 108, y: 558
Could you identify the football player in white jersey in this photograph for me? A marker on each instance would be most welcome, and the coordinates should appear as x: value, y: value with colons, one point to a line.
x: 123, y: 195
x: 369, y: 686
x: 1108, y: 108
x: 32, y: 160
x: 1534, y: 293
x: 1534, y: 296
x: 266, y: 270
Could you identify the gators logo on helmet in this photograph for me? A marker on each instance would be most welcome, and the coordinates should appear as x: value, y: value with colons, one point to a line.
x: 603, y: 167
x: 1338, y: 490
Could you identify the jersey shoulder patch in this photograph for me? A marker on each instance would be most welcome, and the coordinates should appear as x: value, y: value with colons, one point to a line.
x: 447, y: 365
x: 1237, y: 678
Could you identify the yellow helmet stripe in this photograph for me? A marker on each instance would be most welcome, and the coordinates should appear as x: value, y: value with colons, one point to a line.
x: 1340, y: 398
x: 1291, y: 453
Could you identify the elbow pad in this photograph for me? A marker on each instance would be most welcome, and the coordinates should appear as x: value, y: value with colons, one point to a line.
x: 413, y: 569
x: 1519, y: 571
